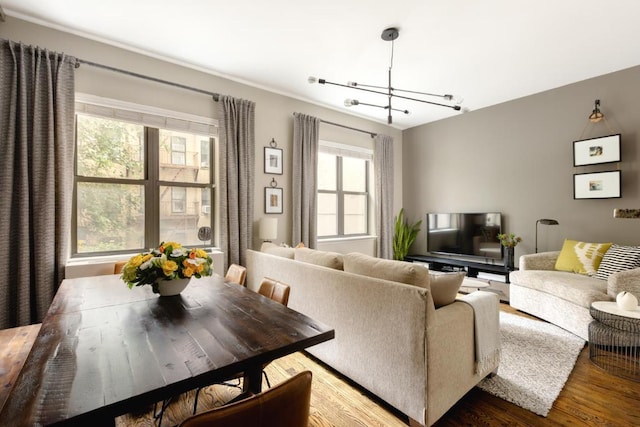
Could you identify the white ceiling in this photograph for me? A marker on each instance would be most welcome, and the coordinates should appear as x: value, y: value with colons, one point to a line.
x: 487, y: 51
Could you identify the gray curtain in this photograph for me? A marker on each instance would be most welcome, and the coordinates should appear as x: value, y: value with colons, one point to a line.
x: 306, y: 130
x: 36, y: 178
x: 237, y: 153
x: 383, y: 170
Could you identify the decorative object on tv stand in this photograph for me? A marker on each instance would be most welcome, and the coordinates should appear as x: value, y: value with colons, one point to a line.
x: 268, y: 229
x: 404, y: 235
x: 626, y: 301
x: 626, y: 213
x: 273, y: 158
x: 273, y: 198
x: 544, y: 221
x: 509, y: 242
x: 390, y: 92
x: 167, y: 268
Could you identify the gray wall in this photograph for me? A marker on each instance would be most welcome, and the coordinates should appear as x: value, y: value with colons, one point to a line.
x: 517, y: 158
x: 273, y: 111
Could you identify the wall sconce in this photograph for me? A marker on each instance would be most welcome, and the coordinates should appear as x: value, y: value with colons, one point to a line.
x: 626, y: 213
x: 544, y: 222
x: 268, y: 229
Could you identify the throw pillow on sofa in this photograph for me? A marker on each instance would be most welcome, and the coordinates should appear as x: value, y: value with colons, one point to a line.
x: 395, y: 271
x: 444, y: 287
x: 618, y: 258
x: 323, y: 258
x: 581, y: 257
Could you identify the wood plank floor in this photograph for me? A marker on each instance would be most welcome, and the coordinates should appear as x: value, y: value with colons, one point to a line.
x: 591, y: 397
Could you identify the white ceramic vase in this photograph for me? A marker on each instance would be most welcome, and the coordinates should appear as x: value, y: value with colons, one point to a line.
x: 626, y: 301
x: 167, y: 288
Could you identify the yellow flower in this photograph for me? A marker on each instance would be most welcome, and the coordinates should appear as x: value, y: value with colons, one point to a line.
x: 200, y: 253
x: 135, y: 261
x: 169, y: 267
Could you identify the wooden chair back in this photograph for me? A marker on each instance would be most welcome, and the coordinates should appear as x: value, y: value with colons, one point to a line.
x: 236, y: 274
x: 118, y: 266
x: 284, y: 405
x: 275, y: 290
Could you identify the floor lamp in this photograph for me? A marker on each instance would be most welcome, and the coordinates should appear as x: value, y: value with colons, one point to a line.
x: 544, y: 222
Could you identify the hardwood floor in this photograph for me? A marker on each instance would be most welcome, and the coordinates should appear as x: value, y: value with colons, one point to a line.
x: 591, y: 397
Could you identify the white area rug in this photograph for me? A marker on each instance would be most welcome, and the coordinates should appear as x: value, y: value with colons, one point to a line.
x: 537, y: 358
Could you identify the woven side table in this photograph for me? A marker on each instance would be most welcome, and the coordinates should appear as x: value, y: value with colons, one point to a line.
x: 614, y: 339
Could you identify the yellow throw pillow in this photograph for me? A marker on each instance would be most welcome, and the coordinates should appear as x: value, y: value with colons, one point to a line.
x: 580, y: 257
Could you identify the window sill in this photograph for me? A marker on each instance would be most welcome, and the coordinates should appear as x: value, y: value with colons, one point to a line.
x: 346, y: 239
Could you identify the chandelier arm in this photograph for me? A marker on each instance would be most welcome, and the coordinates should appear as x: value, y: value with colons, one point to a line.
x: 455, y: 107
x: 437, y: 95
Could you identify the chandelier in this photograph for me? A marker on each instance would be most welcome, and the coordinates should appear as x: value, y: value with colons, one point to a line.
x: 390, y: 34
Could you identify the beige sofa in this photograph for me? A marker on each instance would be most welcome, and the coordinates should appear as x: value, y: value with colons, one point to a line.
x: 389, y: 337
x: 562, y: 297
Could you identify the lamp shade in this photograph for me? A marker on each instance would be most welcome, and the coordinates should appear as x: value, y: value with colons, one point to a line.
x: 268, y: 229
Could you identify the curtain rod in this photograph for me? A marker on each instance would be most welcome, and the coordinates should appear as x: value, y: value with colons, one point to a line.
x: 216, y: 96
x: 373, y: 135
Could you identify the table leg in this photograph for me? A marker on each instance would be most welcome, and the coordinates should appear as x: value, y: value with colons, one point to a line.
x: 252, y: 380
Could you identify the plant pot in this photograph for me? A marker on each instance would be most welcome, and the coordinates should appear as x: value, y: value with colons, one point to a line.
x: 509, y: 253
x: 167, y: 288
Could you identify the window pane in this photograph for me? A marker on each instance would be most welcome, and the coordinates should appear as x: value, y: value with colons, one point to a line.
x: 354, y: 174
x: 181, y: 158
x: 110, y: 217
x: 182, y: 213
x: 327, y: 214
x: 355, y: 214
x: 327, y: 172
x: 109, y: 148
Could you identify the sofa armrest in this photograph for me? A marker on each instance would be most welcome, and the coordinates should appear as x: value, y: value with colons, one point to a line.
x: 539, y: 261
x: 627, y: 280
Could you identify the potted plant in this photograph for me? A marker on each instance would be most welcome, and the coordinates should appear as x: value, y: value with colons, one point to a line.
x: 167, y: 268
x: 509, y: 241
x: 404, y: 236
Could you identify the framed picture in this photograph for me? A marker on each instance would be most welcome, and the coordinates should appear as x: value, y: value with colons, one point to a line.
x: 605, y: 149
x: 273, y: 160
x: 272, y: 200
x: 597, y: 185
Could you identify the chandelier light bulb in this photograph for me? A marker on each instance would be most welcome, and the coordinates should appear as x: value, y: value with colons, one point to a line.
x: 312, y: 79
x: 353, y: 84
x: 350, y: 102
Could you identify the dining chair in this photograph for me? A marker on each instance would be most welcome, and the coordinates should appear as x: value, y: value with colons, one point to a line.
x: 285, y: 405
x: 236, y: 274
x: 274, y: 290
x: 118, y: 266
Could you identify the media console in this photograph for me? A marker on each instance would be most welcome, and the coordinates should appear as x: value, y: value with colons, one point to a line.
x: 472, y: 268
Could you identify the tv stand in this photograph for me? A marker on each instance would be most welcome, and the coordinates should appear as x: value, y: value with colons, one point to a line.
x: 452, y: 264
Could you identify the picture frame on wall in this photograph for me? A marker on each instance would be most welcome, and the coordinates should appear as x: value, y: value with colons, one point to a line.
x: 594, y: 151
x: 273, y: 160
x: 272, y: 200
x: 597, y: 185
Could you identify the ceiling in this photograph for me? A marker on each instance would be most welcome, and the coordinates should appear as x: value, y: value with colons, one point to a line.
x: 487, y: 52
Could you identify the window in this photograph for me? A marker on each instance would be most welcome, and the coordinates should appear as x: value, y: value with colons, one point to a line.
x: 137, y: 185
x: 343, y: 194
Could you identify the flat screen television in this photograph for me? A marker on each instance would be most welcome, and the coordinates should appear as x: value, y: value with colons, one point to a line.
x: 465, y: 234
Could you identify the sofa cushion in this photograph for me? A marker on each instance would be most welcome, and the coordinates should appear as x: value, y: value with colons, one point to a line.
x: 444, y: 287
x: 581, y: 257
x: 273, y: 249
x: 323, y: 258
x: 395, y: 271
x: 578, y: 289
x: 618, y: 258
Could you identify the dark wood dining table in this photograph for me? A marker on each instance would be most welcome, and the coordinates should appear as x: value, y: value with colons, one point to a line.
x: 105, y: 350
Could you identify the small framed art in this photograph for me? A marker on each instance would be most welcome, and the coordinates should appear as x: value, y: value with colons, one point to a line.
x: 272, y: 200
x: 273, y: 160
x: 605, y: 149
x: 597, y: 185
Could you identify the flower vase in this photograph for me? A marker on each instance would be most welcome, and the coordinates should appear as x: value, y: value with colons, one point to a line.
x: 509, y: 252
x: 167, y: 288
